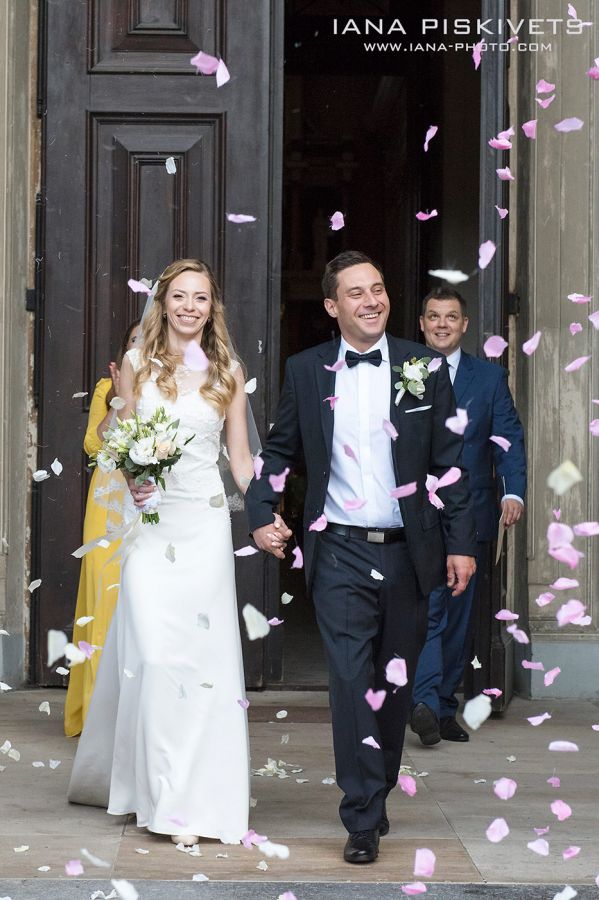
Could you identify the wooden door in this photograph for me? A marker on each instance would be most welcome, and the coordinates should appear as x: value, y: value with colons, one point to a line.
x: 121, y: 97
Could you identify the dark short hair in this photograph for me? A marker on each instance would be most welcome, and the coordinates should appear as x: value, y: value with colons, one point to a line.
x: 445, y: 292
x: 343, y: 261
x: 126, y: 336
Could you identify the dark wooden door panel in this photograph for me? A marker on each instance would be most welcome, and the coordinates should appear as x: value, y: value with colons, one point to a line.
x: 121, y: 98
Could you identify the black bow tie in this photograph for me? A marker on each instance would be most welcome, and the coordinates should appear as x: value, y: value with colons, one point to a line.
x: 352, y: 359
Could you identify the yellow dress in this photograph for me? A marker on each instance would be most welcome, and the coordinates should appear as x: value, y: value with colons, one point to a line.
x: 93, y: 597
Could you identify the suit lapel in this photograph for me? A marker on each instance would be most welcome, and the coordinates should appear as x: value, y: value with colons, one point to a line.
x: 397, y: 356
x: 325, y: 381
x: 464, y: 376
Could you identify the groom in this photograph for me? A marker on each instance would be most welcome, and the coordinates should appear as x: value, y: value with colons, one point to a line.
x: 370, y: 559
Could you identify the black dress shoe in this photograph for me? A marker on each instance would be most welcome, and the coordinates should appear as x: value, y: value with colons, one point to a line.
x: 384, y: 823
x: 362, y: 847
x: 425, y: 724
x: 451, y: 731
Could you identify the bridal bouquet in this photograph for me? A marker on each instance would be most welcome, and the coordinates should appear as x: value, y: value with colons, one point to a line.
x: 143, y: 448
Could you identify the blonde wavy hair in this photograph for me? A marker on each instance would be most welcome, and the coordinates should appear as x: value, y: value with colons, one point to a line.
x: 219, y: 386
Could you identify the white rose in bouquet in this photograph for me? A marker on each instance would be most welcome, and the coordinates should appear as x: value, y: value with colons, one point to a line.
x: 142, y: 452
x: 164, y: 448
x: 105, y: 462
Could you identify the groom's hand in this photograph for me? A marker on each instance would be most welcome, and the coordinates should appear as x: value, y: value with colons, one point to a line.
x: 273, y: 538
x: 460, y: 570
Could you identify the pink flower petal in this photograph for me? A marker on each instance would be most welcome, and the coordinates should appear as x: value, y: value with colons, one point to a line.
x: 567, y: 555
x: 414, y: 887
x: 506, y: 134
x: 258, y: 466
x: 407, y: 785
x: 513, y: 39
x: 244, y: 703
x: 396, y: 672
x: 593, y: 73
x: 337, y: 221
x: 430, y: 133
x: 520, y: 636
x: 579, y: 298
x: 457, y: 423
x: 498, y: 144
x: 425, y: 216
x: 502, y: 212
x: 350, y: 505
x: 497, y: 831
x: 538, y: 720
x: 319, y: 524
x: 298, y: 558
x: 476, y: 54
x: 505, y: 174
x: 593, y: 319
x: 544, y: 830
x: 375, y: 699
x: 547, y: 102
x: 570, y: 613
x: 501, y: 442
x: 586, y: 529
x: 559, y: 534
x: 450, y: 477
x: 435, y: 364
x: 564, y: 584
x: 557, y: 513
x: 222, y: 73
x: 530, y: 129
x: 404, y: 490
x: 370, y: 742
x: 139, y: 288
x: 595, y: 727
x: 506, y: 615
x: 494, y: 346
x: 571, y: 124
x: 349, y: 452
x: 535, y: 666
x: 73, y: 867
x: 532, y: 343
x: 331, y: 401
x: 277, y: 482
x: 544, y: 87
x: 492, y: 692
x: 544, y: 598
x: 246, y: 551
x: 274, y: 622
x: 555, y: 782
x: 575, y: 328
x: 505, y: 788
x: 550, y: 677
x: 594, y: 427
x: 424, y: 862
x: 539, y: 846
x: 486, y: 252
x: 204, y: 63
x: 572, y: 12
x: 561, y: 810
x: 240, y: 218
x: 571, y: 852
x: 251, y: 837
x: 390, y: 429
x: 436, y: 501
x: 336, y: 367
x: 86, y: 648
x: 195, y: 358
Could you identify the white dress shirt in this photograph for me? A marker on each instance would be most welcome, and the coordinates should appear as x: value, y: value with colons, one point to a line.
x: 364, y: 393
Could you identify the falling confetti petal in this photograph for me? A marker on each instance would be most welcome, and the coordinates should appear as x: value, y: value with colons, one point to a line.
x: 486, y: 252
x: 430, y: 133
x: 56, y: 467
x: 505, y: 788
x: 579, y: 298
x: 564, y: 477
x: 34, y: 585
x: 375, y: 699
x: 554, y: 781
x: 40, y: 475
x: 535, y: 666
x: 497, y: 831
x: 564, y: 584
x: 73, y: 867
x: 563, y: 747
x: 44, y: 707
x: 244, y: 703
x: 414, y: 887
x: 204, y: 63
x: 222, y: 74
x: 424, y: 862
x: 506, y: 615
x: 520, y: 636
x: 171, y: 165
x: 477, y: 711
x: 404, y: 490
x: 550, y: 676
x: 457, y: 423
x: 138, y: 287
x: 494, y: 346
x: 586, y: 529
x: 274, y: 622
x: 539, y: 846
x: 336, y: 367
x: 286, y: 598
x: 538, y: 720
x: 500, y: 144
x: 502, y: 211
x: 250, y: 386
x: 594, y: 319
x: 277, y: 482
x: 594, y: 427
x: 79, y: 394
x: 240, y: 218
x: 501, y: 442
x: 331, y: 401
x: 544, y: 87
x: 425, y: 216
x: 351, y: 505
x: 561, y: 810
x: 57, y: 641
x: 570, y: 853
x: 124, y: 889
x: 530, y: 129
x: 298, y: 558
x: 337, y: 221
x: 256, y: 624
x: 575, y: 328
x: 572, y: 613
x: 396, y: 672
x: 571, y: 124
x: 476, y: 54
x: 319, y: 524
x: 532, y: 343
x: 246, y: 551
x: 476, y: 663
x: 376, y: 575
x: 370, y: 742
x: 278, y: 851
x: 451, y: 276
x: 576, y: 364
x: 258, y: 466
x: 544, y: 104
x: 195, y: 358
x: 505, y: 174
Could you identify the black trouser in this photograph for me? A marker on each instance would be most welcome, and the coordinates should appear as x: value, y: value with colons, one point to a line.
x: 364, y: 623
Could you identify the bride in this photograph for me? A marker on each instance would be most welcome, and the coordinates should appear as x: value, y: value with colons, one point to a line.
x: 166, y: 736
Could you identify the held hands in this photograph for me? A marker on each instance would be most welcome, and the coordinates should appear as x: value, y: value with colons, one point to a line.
x: 460, y: 570
x: 511, y: 511
x: 139, y: 492
x: 273, y: 538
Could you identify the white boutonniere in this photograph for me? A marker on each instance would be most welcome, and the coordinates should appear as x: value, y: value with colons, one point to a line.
x: 412, y: 375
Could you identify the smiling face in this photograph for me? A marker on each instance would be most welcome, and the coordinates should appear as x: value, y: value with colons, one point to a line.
x: 187, y: 305
x: 443, y: 325
x: 361, y: 306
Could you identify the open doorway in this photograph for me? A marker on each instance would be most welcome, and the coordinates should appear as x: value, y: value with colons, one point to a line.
x: 354, y: 128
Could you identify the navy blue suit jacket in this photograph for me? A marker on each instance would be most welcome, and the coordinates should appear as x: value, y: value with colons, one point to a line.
x: 481, y: 388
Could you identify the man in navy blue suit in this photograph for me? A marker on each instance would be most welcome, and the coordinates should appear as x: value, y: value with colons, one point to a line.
x: 481, y: 388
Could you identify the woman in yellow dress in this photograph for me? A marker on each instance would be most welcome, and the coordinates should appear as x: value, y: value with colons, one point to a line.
x: 98, y: 582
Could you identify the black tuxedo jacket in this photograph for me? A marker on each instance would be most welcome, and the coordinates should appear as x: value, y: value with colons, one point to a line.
x: 424, y: 446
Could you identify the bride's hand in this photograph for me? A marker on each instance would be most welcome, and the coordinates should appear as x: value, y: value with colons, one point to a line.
x: 139, y: 492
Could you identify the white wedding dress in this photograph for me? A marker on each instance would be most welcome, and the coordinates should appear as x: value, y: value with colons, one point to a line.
x: 166, y: 737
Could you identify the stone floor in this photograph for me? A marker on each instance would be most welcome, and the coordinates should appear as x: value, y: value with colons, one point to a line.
x: 453, y: 807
